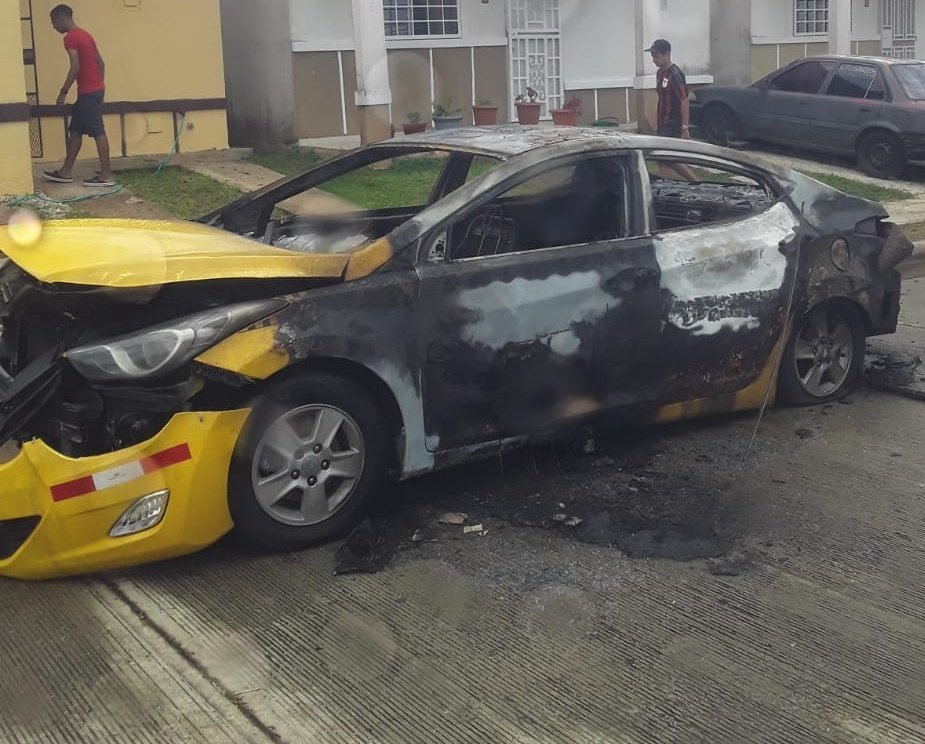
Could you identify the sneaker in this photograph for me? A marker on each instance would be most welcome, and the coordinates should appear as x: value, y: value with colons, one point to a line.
x: 98, y: 182
x: 56, y: 177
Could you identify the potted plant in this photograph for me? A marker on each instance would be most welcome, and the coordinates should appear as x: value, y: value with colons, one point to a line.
x: 445, y: 116
x: 567, y: 116
x: 484, y: 114
x: 528, y: 108
x: 414, y: 125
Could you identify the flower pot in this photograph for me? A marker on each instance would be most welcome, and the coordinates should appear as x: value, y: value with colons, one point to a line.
x: 447, y: 122
x: 564, y: 117
x: 485, y: 116
x: 415, y: 128
x: 528, y: 113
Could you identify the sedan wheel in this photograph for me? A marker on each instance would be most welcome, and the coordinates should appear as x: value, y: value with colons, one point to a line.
x: 720, y: 125
x: 825, y: 356
x: 312, y: 455
x: 882, y: 155
x: 307, y: 464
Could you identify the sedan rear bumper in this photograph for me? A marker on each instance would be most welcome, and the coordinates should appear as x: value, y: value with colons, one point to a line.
x: 56, y: 512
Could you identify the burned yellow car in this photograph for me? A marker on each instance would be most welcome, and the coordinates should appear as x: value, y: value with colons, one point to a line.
x: 266, y: 369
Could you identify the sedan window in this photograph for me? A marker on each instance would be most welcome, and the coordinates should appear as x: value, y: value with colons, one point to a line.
x: 807, y: 77
x: 912, y: 79
x: 857, y: 81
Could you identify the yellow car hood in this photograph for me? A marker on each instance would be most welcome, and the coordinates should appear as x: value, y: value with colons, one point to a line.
x: 144, y: 253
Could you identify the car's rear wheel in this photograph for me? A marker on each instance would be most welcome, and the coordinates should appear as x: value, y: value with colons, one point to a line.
x: 882, y: 154
x: 313, y: 454
x: 720, y: 125
x: 824, y: 357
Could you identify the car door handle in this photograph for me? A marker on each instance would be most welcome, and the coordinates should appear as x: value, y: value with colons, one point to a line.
x: 865, y: 110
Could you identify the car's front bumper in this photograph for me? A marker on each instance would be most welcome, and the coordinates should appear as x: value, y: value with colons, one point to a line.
x: 56, y: 512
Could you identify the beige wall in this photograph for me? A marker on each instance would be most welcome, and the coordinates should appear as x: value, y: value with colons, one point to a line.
x: 161, y: 50
x: 317, y: 80
x: 15, y: 161
x: 491, y: 79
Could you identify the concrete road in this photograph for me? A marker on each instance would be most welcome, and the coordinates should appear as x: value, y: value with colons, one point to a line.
x: 649, y: 588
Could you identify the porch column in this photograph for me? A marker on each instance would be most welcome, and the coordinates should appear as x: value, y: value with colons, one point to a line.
x: 647, y: 30
x: 839, y: 26
x: 373, y: 94
x: 15, y: 154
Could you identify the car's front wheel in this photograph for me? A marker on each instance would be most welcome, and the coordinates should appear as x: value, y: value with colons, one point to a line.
x: 312, y: 455
x: 825, y: 355
x: 720, y: 125
x: 881, y: 154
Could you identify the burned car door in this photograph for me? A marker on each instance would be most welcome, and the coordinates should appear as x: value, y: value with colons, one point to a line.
x: 536, y: 306
x: 722, y: 241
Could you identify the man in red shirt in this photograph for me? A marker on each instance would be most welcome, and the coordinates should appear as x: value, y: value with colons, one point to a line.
x: 88, y: 70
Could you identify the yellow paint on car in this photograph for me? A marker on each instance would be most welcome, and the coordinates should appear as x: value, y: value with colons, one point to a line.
x: 747, y: 399
x: 144, y: 253
x: 73, y: 535
x: 254, y: 352
x: 364, y: 262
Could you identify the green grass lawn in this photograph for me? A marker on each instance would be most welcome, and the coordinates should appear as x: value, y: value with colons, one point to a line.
x: 288, y: 162
x: 184, y: 193
x: 860, y: 188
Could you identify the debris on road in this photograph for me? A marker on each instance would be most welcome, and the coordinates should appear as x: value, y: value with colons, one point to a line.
x: 452, y: 518
x: 134, y: 200
x: 732, y: 564
x: 364, y: 551
x: 475, y: 529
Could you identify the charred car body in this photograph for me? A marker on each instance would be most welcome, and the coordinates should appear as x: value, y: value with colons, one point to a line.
x: 267, y: 370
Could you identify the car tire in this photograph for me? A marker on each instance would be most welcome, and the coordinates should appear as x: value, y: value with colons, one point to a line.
x: 824, y: 358
x: 720, y: 125
x: 286, y: 490
x: 882, y: 154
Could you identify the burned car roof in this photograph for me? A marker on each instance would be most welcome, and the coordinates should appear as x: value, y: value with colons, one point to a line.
x: 506, y: 141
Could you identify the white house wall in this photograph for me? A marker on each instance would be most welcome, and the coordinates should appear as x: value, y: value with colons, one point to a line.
x: 772, y: 23
x: 686, y: 24
x: 326, y: 25
x: 598, y: 43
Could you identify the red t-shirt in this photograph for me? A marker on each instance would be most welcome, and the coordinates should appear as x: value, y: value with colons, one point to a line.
x: 90, y: 77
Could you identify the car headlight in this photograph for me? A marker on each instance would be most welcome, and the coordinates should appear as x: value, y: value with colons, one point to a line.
x: 163, y: 349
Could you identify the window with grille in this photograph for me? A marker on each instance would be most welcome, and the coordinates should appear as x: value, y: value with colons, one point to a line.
x: 421, y: 18
x: 811, y: 17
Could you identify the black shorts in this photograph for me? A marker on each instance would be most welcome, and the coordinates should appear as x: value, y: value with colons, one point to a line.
x: 669, y: 130
x: 87, y: 115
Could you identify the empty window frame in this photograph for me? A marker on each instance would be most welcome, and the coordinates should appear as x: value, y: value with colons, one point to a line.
x: 810, y: 17
x: 421, y: 18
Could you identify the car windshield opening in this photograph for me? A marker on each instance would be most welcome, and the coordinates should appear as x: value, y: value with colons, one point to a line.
x: 912, y: 79
x: 349, y: 210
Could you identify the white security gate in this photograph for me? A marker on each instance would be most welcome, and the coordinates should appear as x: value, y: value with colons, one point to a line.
x: 899, y: 29
x: 535, y: 51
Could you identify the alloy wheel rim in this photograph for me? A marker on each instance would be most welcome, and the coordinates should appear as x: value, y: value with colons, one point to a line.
x: 824, y: 353
x: 307, y: 464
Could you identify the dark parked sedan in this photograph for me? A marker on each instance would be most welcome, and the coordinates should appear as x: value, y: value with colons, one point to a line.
x: 870, y: 107
x: 266, y: 371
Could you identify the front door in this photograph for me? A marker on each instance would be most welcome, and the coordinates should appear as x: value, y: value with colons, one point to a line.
x: 899, y: 35
x: 535, y: 51
x: 543, y: 311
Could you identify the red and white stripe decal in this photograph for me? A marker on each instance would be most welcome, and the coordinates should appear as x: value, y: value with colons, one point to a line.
x: 121, y: 474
